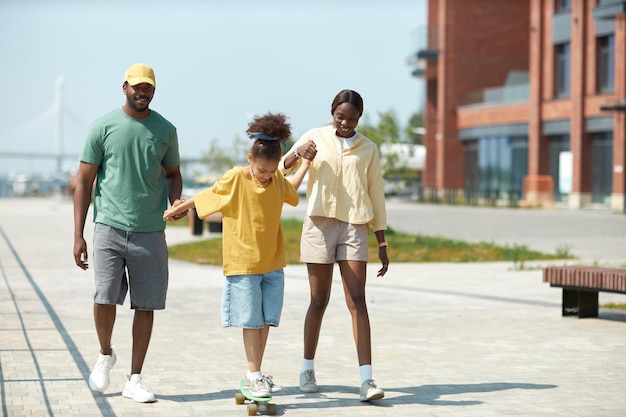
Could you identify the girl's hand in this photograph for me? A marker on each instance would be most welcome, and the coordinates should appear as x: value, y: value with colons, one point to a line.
x: 307, y: 151
x: 168, y: 215
x: 174, y: 213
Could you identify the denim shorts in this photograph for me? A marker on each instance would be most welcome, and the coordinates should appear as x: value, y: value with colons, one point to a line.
x: 251, y: 301
x: 124, y: 260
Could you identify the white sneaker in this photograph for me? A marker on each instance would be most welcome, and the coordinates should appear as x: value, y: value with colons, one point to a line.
x: 273, y: 386
x: 370, y: 392
x: 307, y: 381
x: 99, y: 377
x: 258, y: 388
x: 137, y: 390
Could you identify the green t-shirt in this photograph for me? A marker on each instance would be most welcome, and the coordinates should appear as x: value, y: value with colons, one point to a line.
x: 131, y: 192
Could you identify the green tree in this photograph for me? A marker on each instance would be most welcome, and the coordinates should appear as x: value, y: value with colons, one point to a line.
x: 217, y: 159
x: 388, y: 127
x: 365, y: 128
x: 414, y: 131
x: 239, y: 149
x: 388, y: 131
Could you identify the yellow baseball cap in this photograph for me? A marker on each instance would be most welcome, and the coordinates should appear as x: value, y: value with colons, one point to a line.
x: 140, y: 73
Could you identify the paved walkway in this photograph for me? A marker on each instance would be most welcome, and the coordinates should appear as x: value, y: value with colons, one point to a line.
x: 449, y: 339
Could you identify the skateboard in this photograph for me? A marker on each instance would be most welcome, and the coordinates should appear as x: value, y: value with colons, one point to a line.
x: 256, y: 404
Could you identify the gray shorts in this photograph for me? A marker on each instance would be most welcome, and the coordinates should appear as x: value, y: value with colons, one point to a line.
x: 124, y: 260
x: 326, y: 241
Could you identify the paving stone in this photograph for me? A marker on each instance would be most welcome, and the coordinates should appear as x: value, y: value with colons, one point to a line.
x: 449, y: 340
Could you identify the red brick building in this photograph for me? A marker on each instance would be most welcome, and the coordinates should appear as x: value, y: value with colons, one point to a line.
x: 525, y: 99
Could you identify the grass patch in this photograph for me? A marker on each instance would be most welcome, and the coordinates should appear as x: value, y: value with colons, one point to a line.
x: 402, y: 248
x: 184, y: 222
x: 617, y: 306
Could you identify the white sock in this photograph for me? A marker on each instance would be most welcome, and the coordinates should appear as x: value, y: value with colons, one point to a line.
x: 308, y: 365
x: 366, y: 372
x: 254, y: 375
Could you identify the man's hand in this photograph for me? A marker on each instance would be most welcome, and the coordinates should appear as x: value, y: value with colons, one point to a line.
x: 176, y: 216
x: 80, y: 253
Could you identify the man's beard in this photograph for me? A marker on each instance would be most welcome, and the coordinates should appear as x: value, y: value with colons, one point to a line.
x: 133, y: 106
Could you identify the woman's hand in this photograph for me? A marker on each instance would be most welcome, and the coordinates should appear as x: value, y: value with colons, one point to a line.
x: 307, y: 151
x: 382, y: 255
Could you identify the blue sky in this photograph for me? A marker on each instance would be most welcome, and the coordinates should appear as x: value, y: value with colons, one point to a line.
x: 217, y: 63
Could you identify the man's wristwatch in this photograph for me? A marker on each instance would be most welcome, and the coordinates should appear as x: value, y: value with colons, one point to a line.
x: 382, y: 244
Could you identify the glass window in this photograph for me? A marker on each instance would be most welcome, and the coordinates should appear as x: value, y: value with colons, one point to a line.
x: 500, y: 167
x: 606, y: 63
x: 470, y: 170
x: 602, y: 167
x: 559, y: 151
x: 519, y: 165
x: 562, y: 5
x: 484, y: 172
x: 562, y: 70
x: 504, y: 168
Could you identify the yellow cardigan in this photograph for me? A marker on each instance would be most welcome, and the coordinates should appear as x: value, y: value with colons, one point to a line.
x: 346, y: 185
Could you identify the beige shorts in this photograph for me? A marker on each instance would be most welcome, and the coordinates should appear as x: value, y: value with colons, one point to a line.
x: 326, y: 241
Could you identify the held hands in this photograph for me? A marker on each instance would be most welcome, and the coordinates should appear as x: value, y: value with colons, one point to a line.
x: 307, y: 151
x: 175, y: 213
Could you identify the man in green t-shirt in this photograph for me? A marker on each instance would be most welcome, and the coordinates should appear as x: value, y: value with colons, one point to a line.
x: 132, y: 156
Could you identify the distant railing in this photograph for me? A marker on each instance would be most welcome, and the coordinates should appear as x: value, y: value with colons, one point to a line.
x: 472, y: 197
x: 424, y: 38
x: 504, y: 94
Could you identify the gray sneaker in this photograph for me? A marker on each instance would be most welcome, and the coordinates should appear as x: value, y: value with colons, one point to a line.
x: 369, y: 391
x: 259, y: 388
x: 307, y: 381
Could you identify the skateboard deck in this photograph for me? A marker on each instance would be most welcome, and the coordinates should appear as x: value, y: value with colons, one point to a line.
x: 256, y: 404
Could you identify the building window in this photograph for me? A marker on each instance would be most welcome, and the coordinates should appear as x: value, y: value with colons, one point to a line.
x: 562, y: 70
x: 602, y: 167
x: 560, y: 167
x: 470, y: 168
x: 606, y: 63
x: 495, y: 167
x: 562, y: 5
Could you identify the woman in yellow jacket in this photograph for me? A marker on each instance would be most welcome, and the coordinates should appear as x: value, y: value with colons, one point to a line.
x: 345, y: 198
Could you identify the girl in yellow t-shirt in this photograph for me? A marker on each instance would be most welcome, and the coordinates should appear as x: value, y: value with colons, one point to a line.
x: 251, y: 200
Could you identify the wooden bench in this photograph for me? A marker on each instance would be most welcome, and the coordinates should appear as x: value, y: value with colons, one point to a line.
x: 581, y: 285
x: 196, y: 225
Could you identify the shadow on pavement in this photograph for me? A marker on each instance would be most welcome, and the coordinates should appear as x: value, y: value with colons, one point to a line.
x: 431, y: 394
x: 325, y: 398
x: 184, y: 398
